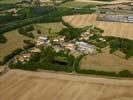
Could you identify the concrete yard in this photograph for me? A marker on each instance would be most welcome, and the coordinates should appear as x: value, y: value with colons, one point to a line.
x: 25, y: 85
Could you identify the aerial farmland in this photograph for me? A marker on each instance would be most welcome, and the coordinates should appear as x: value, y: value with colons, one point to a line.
x: 59, y: 86
x: 117, y: 29
x: 66, y: 49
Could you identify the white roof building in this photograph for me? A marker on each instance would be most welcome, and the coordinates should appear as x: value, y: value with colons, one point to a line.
x: 43, y: 38
x: 86, y: 48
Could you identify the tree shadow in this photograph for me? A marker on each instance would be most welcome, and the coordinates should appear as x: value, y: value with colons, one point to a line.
x: 2, y: 39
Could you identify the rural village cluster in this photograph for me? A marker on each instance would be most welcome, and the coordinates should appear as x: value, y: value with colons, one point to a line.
x: 76, y: 47
x: 71, y: 35
x: 66, y: 49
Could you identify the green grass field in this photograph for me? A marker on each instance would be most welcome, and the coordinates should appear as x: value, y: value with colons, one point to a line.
x: 15, y: 40
x: 44, y: 27
x: 8, y: 1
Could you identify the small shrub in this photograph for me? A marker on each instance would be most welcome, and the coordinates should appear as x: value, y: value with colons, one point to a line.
x: 125, y: 73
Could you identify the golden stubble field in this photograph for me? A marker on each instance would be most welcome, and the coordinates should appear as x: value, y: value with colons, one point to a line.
x: 123, y: 30
x: 106, y: 62
x: 104, y: 2
x: 25, y: 85
x: 14, y: 41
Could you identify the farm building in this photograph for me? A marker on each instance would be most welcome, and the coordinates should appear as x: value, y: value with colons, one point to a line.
x: 85, y: 36
x: 69, y: 46
x: 116, y: 18
x: 130, y: 19
x: 41, y: 40
x: 22, y: 58
x: 34, y: 50
x: 86, y: 48
x: 59, y: 39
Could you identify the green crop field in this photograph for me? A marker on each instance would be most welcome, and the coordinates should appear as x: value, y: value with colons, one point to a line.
x: 44, y: 27
x: 8, y: 1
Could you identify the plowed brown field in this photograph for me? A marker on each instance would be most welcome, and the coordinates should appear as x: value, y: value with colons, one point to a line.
x: 123, y: 30
x: 25, y: 85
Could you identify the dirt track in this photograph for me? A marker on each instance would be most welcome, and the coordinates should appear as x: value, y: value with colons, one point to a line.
x: 124, y: 30
x: 23, y: 85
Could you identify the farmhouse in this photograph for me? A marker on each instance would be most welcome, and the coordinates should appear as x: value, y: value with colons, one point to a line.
x: 56, y: 40
x: 69, y: 46
x: 85, y: 36
x: 22, y: 58
x: 19, y: 58
x: 59, y: 39
x: 41, y: 40
x: 35, y: 50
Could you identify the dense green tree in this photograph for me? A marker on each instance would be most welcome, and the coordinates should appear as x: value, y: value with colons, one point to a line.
x: 71, y: 33
x: 125, y: 73
x: 35, y: 57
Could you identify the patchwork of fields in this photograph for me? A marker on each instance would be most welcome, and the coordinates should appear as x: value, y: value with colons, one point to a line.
x: 123, y: 30
x: 24, y: 85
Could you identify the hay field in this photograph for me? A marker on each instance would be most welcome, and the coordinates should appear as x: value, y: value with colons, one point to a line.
x: 24, y: 85
x: 106, y: 2
x: 14, y: 41
x: 77, y: 4
x: 123, y: 30
x: 106, y: 62
x: 44, y: 27
x: 1, y: 68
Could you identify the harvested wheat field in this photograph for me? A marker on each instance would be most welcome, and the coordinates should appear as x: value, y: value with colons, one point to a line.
x: 123, y: 30
x: 14, y: 41
x: 106, y: 62
x: 25, y: 85
x: 106, y: 2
